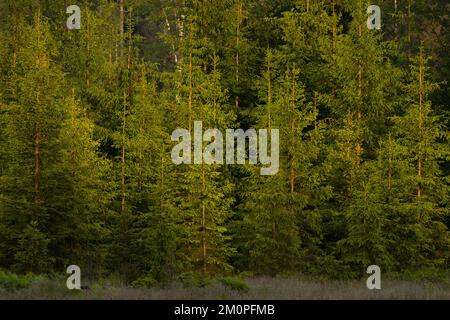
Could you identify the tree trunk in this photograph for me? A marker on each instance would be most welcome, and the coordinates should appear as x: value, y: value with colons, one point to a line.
x: 238, y: 41
x: 119, y: 41
x: 121, y: 18
x: 396, y: 20
x: 122, y: 160
x: 37, y: 163
x: 190, y: 94
x: 203, y: 226
x: 409, y: 28
x: 37, y: 130
x: 292, y: 127
x: 421, y: 99
x: 360, y: 94
x: 269, y: 89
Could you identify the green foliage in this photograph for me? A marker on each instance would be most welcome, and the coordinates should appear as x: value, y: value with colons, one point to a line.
x: 235, y: 283
x: 144, y: 282
x: 86, y: 117
x: 194, y: 280
x: 11, y: 281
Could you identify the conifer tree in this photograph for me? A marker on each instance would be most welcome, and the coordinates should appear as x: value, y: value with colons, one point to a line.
x: 86, y: 190
x: 422, y: 191
x: 52, y: 172
x: 365, y: 93
x: 155, y: 231
x: 86, y: 117
x: 282, y: 231
x: 203, y: 197
x: 34, y: 119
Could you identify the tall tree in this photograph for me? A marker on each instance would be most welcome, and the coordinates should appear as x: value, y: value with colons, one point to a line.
x: 48, y: 191
x: 423, y: 194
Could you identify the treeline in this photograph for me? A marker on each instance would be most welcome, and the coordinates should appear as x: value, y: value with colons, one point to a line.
x: 86, y: 116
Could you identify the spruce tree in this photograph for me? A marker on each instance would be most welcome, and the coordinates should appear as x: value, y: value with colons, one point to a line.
x: 422, y: 190
x: 34, y: 120
x: 203, y: 197
x: 363, y: 94
x: 52, y: 169
x: 283, y: 232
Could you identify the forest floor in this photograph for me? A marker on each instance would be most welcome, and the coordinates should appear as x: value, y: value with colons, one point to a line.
x: 259, y: 288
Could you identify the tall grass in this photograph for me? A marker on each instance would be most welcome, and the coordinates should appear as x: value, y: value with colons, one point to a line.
x: 231, y: 289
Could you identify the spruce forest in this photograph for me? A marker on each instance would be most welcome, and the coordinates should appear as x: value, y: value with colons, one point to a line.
x: 86, y: 117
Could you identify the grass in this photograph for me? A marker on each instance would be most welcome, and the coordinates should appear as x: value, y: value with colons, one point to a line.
x: 263, y: 288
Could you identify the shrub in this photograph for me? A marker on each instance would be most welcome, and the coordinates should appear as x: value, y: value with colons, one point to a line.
x: 235, y: 283
x: 144, y: 282
x: 194, y: 279
x: 11, y: 281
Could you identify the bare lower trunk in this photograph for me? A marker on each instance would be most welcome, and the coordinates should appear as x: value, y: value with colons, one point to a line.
x: 203, y: 226
x: 421, y: 116
x: 37, y: 163
x: 123, y: 163
x: 292, y: 127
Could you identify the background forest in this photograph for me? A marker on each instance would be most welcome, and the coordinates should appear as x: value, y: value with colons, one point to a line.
x: 86, y: 116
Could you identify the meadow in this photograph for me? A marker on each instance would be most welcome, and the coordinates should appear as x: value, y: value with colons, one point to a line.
x: 261, y: 288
